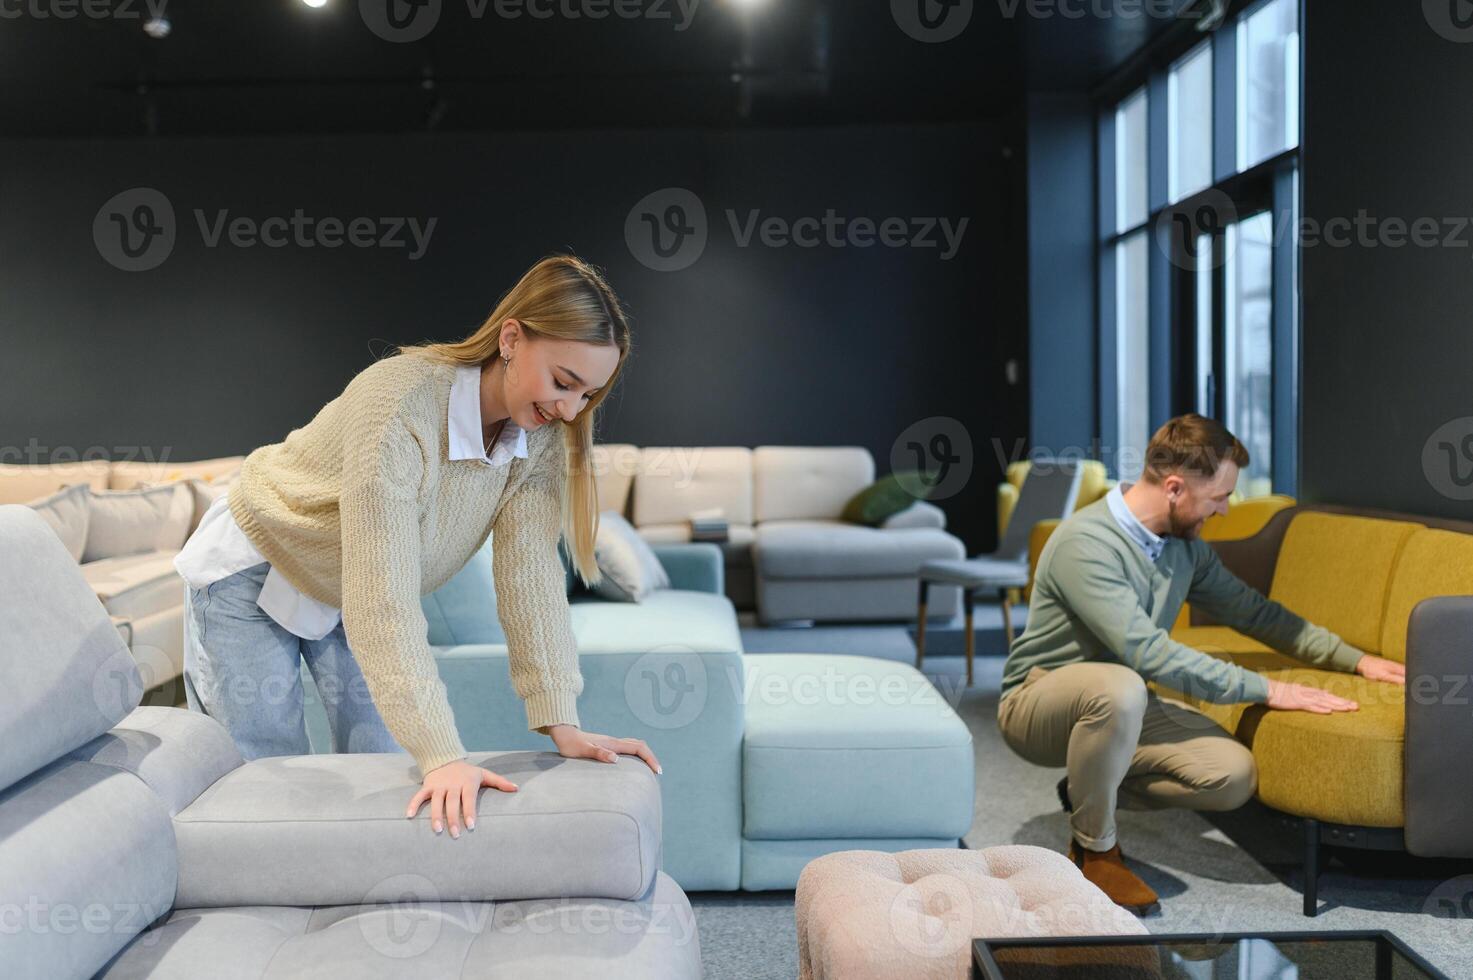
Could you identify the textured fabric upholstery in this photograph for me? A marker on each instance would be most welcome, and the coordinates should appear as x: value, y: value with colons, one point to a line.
x: 807, y: 482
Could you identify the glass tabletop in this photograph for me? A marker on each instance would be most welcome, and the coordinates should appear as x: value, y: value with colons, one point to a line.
x: 1231, y: 956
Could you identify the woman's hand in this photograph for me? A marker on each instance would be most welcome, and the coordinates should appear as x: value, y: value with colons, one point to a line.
x: 451, y: 790
x: 574, y: 743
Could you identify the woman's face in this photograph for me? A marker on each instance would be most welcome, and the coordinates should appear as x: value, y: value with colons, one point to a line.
x: 552, y: 380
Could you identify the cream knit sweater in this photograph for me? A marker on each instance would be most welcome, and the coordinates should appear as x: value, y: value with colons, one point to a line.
x: 363, y: 509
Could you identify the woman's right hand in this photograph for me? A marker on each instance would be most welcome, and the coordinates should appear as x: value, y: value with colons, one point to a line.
x: 452, y: 789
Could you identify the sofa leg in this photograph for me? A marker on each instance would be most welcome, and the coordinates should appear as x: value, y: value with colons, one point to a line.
x: 1312, y: 853
x: 971, y: 636
x: 921, y: 625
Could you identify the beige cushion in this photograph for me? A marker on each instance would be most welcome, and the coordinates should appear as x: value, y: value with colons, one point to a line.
x: 129, y: 522
x: 863, y: 915
x: 128, y: 475
x: 674, y: 481
x: 20, y: 483
x: 203, y: 493
x: 68, y: 512
x: 135, y: 586
x: 807, y: 482
x: 630, y: 569
x: 614, y: 466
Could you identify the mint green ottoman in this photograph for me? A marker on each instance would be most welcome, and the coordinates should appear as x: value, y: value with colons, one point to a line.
x: 846, y: 753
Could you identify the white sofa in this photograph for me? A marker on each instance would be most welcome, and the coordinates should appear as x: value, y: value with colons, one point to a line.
x: 789, y: 555
x: 126, y: 544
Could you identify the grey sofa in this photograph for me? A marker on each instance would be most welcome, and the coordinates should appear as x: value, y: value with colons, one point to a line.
x: 136, y: 842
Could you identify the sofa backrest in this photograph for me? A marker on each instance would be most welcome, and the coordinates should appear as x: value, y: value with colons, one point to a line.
x: 1433, y: 562
x: 87, y: 855
x: 1336, y: 570
x: 614, y: 466
x: 21, y: 483
x: 672, y: 481
x: 807, y: 482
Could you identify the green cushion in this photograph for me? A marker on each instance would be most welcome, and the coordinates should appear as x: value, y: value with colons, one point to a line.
x: 882, y: 499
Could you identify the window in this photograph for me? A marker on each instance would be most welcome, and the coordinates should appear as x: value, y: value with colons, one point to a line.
x: 1189, y: 126
x: 1132, y: 353
x: 1248, y: 347
x: 1130, y: 162
x: 1268, y: 82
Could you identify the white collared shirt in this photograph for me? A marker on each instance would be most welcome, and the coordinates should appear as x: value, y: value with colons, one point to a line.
x: 218, y: 547
x: 1150, y: 542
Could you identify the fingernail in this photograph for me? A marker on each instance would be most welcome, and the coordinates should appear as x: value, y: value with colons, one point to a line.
x: 437, y: 828
x: 455, y: 832
x: 470, y: 825
x: 659, y: 770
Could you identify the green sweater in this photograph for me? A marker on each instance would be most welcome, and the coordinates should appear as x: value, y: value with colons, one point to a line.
x: 1097, y: 596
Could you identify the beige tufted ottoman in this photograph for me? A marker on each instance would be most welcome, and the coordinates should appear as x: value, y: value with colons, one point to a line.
x: 865, y: 915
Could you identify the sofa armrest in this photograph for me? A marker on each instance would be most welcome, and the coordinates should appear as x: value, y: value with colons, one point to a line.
x: 178, y: 753
x: 695, y: 566
x: 921, y: 513
x: 1438, y: 786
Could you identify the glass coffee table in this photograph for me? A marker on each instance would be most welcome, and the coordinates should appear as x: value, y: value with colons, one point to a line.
x: 1227, y: 956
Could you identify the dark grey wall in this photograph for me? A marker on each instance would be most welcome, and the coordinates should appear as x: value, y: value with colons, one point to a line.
x: 1388, y: 330
x: 221, y: 349
x: 1061, y: 273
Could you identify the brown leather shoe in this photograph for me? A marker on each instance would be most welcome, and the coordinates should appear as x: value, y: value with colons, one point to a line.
x: 1107, y: 871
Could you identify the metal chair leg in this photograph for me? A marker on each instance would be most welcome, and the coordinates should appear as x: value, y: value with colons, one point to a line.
x: 921, y: 625
x: 1007, y: 616
x: 1312, y: 853
x: 971, y: 636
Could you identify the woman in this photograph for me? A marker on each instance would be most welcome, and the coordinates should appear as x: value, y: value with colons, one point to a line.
x: 325, y: 544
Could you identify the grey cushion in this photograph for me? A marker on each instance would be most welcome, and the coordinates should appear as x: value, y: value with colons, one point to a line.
x: 333, y: 828
x: 68, y: 511
x: 66, y: 676
x: 835, y: 549
x: 973, y: 573
x: 652, y: 937
x: 135, y: 586
x: 1049, y: 491
x: 128, y: 522
x: 179, y: 754
x: 86, y: 863
x: 630, y: 571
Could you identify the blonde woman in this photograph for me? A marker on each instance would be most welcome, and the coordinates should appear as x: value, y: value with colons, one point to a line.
x: 324, y: 546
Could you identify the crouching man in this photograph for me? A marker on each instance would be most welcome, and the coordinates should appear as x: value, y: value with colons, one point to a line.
x: 1108, y: 588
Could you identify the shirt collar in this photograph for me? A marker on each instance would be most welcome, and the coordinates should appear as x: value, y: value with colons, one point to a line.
x: 464, y: 423
x: 1150, y: 542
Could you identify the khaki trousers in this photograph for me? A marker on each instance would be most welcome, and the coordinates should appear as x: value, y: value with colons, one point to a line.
x: 1123, y: 745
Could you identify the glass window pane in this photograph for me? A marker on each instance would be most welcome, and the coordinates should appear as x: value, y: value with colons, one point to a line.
x: 1204, y: 326
x: 1189, y: 124
x: 1130, y: 162
x: 1268, y: 82
x: 1248, y: 347
x: 1132, y: 366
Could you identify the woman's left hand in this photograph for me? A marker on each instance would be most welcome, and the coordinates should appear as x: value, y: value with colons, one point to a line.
x: 574, y: 743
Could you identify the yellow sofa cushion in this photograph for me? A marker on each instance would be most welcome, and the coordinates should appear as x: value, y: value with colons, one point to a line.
x: 1335, y: 571
x: 1342, y: 768
x: 1432, y: 563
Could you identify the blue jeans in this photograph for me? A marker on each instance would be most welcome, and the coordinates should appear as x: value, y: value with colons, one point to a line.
x: 243, y: 669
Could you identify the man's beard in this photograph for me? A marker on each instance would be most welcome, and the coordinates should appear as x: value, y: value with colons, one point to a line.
x: 1178, y: 529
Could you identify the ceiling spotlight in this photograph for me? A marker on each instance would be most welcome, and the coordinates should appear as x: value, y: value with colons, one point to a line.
x: 157, y: 28
x: 315, y: 3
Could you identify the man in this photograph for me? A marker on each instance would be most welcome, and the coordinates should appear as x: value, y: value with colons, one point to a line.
x: 1109, y: 585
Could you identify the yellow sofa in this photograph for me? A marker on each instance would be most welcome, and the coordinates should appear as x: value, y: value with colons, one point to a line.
x: 1379, y: 776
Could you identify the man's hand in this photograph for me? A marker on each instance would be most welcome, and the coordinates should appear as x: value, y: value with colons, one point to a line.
x: 574, y: 743
x: 1374, y: 668
x: 1299, y: 697
x: 451, y: 789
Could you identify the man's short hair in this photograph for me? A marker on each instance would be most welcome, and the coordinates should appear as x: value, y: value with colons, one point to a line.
x: 1194, y: 444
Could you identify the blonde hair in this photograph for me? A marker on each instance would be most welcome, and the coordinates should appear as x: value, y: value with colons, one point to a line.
x: 562, y: 298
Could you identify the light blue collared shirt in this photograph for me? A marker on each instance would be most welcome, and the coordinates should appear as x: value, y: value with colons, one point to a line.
x: 464, y: 423
x: 1151, y: 542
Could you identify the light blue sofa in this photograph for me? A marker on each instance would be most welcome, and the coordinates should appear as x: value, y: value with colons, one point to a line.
x: 770, y: 760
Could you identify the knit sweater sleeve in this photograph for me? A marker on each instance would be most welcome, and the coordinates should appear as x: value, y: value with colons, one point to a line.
x: 531, y: 597
x: 383, y: 467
